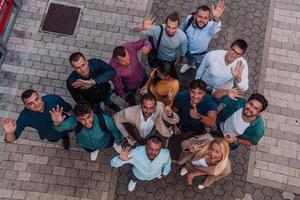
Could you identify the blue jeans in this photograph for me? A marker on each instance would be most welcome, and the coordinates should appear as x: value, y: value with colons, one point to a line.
x: 194, y: 58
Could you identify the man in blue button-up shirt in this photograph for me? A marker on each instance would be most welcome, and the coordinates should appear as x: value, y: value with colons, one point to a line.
x: 148, y: 162
x: 199, y: 31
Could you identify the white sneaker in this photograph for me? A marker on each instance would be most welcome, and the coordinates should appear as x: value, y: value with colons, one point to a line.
x: 183, y: 171
x: 94, y: 155
x: 117, y: 147
x: 159, y: 177
x: 184, y: 68
x: 201, y: 187
x: 131, y: 185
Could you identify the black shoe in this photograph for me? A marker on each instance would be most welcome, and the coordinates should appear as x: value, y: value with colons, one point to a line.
x: 114, y: 107
x: 66, y: 142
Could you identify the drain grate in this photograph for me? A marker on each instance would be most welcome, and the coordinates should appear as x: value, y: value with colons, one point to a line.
x: 61, y: 19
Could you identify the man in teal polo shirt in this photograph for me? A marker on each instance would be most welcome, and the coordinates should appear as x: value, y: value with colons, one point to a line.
x: 94, y: 131
x: 239, y: 121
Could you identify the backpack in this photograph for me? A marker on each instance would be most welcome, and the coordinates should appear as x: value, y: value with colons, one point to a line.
x: 152, y: 55
x: 190, y: 21
x: 101, y: 121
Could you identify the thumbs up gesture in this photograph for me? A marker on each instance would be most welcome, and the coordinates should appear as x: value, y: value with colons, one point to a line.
x: 194, y: 112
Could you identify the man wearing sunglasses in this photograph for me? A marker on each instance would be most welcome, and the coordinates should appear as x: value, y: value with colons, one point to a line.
x: 221, y: 69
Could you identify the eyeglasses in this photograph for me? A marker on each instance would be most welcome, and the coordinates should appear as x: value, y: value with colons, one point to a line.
x: 235, y: 52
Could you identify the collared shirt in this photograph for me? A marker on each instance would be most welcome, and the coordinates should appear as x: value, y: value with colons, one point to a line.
x: 42, y: 122
x: 92, y: 138
x: 143, y: 168
x: 217, y: 74
x: 145, y: 126
x: 168, y: 45
x: 234, y: 124
x: 182, y: 104
x: 132, y: 75
x: 198, y: 38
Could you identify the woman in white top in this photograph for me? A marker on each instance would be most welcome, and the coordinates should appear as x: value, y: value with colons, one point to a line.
x: 204, y: 157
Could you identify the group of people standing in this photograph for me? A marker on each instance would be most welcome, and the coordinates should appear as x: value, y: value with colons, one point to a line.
x: 195, y: 127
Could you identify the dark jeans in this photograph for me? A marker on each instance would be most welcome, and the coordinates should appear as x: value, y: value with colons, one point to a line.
x: 65, y: 137
x: 133, y: 177
x: 174, y: 145
x: 131, y: 92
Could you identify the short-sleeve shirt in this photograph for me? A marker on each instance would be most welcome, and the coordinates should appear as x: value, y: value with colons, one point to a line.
x: 42, y: 122
x: 182, y: 104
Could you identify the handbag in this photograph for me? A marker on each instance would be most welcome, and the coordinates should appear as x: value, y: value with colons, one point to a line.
x: 152, y: 55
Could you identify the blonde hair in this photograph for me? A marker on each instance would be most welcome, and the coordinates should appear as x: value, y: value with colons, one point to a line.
x: 225, y: 155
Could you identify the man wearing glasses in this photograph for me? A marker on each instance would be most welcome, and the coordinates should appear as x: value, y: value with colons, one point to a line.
x: 221, y: 69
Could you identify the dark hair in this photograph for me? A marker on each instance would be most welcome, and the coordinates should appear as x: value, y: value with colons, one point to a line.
x: 82, y: 108
x: 261, y: 99
x: 167, y: 69
x: 242, y: 44
x: 197, y: 83
x: 155, y: 139
x: 27, y: 93
x: 174, y: 17
x: 75, y: 57
x: 203, y: 8
x: 148, y: 96
x: 119, y: 51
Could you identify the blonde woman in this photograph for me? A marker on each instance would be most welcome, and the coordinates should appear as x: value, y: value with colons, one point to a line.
x: 204, y: 157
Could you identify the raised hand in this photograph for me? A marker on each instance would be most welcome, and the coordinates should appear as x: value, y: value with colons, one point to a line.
x: 9, y: 125
x: 175, y: 129
x: 234, y: 93
x: 143, y: 90
x: 170, y: 95
x: 146, y: 49
x: 148, y: 22
x: 57, y: 115
x: 238, y: 71
x: 230, y: 138
x: 218, y: 10
x: 124, y: 155
x: 168, y: 111
x: 194, y: 112
x: 83, y: 84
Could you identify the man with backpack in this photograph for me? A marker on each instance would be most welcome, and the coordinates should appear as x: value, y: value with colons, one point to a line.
x: 94, y: 131
x: 165, y: 38
x: 199, y: 31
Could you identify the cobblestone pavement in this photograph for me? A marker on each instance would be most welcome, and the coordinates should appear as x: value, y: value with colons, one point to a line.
x: 35, y: 169
x: 246, y: 19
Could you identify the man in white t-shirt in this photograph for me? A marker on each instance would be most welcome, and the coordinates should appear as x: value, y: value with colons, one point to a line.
x: 221, y: 69
x: 137, y: 123
x: 239, y: 120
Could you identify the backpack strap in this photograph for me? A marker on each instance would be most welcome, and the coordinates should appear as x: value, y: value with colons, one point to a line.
x: 77, y: 128
x: 190, y: 21
x: 102, y: 123
x: 159, y: 37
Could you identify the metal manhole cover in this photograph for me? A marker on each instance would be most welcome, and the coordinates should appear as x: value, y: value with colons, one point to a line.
x: 61, y: 19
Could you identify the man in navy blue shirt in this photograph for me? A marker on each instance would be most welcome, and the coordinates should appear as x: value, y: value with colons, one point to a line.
x: 196, y: 110
x: 89, y: 81
x: 36, y: 115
